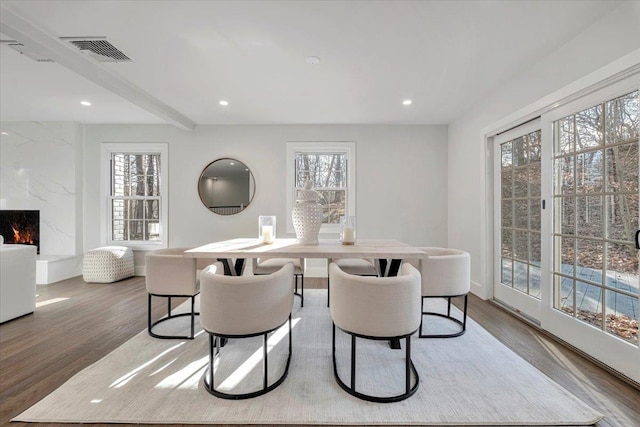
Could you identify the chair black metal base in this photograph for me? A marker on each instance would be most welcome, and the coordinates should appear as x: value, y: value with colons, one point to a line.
x: 351, y: 389
x: 193, y: 314
x: 301, y: 293
x: 462, y: 323
x: 209, y: 377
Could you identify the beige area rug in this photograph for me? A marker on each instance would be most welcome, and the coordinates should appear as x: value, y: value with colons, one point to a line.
x: 470, y: 380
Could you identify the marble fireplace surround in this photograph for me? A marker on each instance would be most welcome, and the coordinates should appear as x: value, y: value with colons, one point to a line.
x: 41, y: 169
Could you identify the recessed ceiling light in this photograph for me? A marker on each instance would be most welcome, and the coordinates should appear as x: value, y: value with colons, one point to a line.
x: 406, y: 102
x: 85, y: 103
x: 5, y: 133
x: 224, y: 103
x: 312, y: 60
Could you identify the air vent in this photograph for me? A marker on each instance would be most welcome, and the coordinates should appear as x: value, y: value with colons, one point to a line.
x: 98, y: 48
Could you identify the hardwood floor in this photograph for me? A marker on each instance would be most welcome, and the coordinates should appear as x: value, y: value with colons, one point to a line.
x: 79, y: 323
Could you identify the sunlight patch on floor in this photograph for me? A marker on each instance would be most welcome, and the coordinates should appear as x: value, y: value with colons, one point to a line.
x: 49, y: 301
x: 256, y: 358
x: 123, y: 380
x: 181, y: 378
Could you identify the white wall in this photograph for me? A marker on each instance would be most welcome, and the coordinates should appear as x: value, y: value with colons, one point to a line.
x: 610, y: 38
x: 401, y: 178
x: 40, y: 170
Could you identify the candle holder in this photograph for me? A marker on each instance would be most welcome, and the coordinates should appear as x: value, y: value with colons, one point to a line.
x: 266, y: 229
x: 348, y: 230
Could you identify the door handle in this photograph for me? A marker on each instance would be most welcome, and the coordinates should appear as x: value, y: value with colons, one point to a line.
x: 638, y: 239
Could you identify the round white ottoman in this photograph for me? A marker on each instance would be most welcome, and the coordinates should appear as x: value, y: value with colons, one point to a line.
x: 107, y: 264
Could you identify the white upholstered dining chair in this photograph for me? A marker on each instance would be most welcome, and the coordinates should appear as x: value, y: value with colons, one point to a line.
x: 171, y: 275
x: 376, y: 308
x: 446, y: 273
x: 271, y: 265
x: 242, y: 307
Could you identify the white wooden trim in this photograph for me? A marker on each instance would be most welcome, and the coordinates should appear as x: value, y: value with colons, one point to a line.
x: 349, y: 148
x: 106, y: 149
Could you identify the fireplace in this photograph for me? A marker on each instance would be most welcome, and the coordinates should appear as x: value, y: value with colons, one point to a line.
x: 21, y: 227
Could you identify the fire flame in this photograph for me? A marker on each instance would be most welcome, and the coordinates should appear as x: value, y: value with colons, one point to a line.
x: 24, y: 237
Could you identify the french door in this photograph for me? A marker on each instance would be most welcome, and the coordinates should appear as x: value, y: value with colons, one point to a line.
x: 517, y: 197
x: 566, y: 196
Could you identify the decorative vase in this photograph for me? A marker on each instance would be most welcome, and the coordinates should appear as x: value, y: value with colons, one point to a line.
x: 307, y: 215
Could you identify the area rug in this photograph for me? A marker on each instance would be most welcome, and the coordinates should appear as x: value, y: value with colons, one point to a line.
x: 469, y: 380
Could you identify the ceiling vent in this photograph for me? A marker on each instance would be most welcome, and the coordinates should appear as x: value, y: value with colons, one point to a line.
x: 23, y: 50
x: 98, y: 48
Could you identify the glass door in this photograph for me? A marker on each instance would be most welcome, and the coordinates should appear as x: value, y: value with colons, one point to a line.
x: 517, y: 196
x: 593, y: 300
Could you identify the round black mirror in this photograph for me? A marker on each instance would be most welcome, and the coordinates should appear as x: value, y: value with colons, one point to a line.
x: 226, y: 186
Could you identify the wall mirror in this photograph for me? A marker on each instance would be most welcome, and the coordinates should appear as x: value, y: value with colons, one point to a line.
x: 226, y: 186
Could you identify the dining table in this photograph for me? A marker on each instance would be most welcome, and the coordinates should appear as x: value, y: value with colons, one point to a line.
x: 387, y: 254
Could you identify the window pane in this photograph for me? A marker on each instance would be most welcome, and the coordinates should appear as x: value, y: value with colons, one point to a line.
x: 507, y: 155
x: 507, y: 213
x: 507, y: 183
x: 134, y: 209
x: 134, y: 230
x: 520, y: 148
x: 589, y: 303
x: 506, y: 277
x: 564, y: 253
x: 564, y: 183
x: 152, y: 209
x: 622, y: 168
x: 622, y: 118
x: 563, y: 289
x: 589, y: 216
x: 520, y: 276
x: 520, y: 181
x: 324, y: 170
x: 565, y: 131
x: 622, y: 316
x: 534, y: 281
x: 589, y: 258
x: 565, y: 208
x: 589, y: 128
x: 622, y: 267
x: 534, y: 146
x: 589, y: 172
x: 622, y: 213
x: 507, y: 242
x: 153, y: 230
x: 535, y: 179
x: 521, y: 245
x: 521, y: 213
x: 332, y: 202
x: 534, y: 214
x: 135, y: 175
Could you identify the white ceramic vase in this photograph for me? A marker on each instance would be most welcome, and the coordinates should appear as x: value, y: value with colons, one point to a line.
x: 307, y: 216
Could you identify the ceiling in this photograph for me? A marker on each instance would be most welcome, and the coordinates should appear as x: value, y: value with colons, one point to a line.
x: 188, y: 55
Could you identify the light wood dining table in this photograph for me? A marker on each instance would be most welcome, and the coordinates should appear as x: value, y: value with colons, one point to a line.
x: 387, y: 252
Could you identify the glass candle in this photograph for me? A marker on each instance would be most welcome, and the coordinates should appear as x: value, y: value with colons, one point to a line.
x: 348, y: 230
x: 266, y: 229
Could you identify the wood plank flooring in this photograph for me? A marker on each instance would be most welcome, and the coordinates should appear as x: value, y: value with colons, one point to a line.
x: 84, y: 322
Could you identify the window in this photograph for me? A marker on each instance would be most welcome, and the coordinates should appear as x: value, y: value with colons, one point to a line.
x: 135, y: 213
x: 330, y: 166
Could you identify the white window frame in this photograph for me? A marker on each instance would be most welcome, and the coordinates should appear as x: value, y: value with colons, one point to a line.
x: 348, y: 148
x: 107, y: 149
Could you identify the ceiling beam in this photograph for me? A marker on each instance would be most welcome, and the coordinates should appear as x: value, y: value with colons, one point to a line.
x: 71, y: 58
